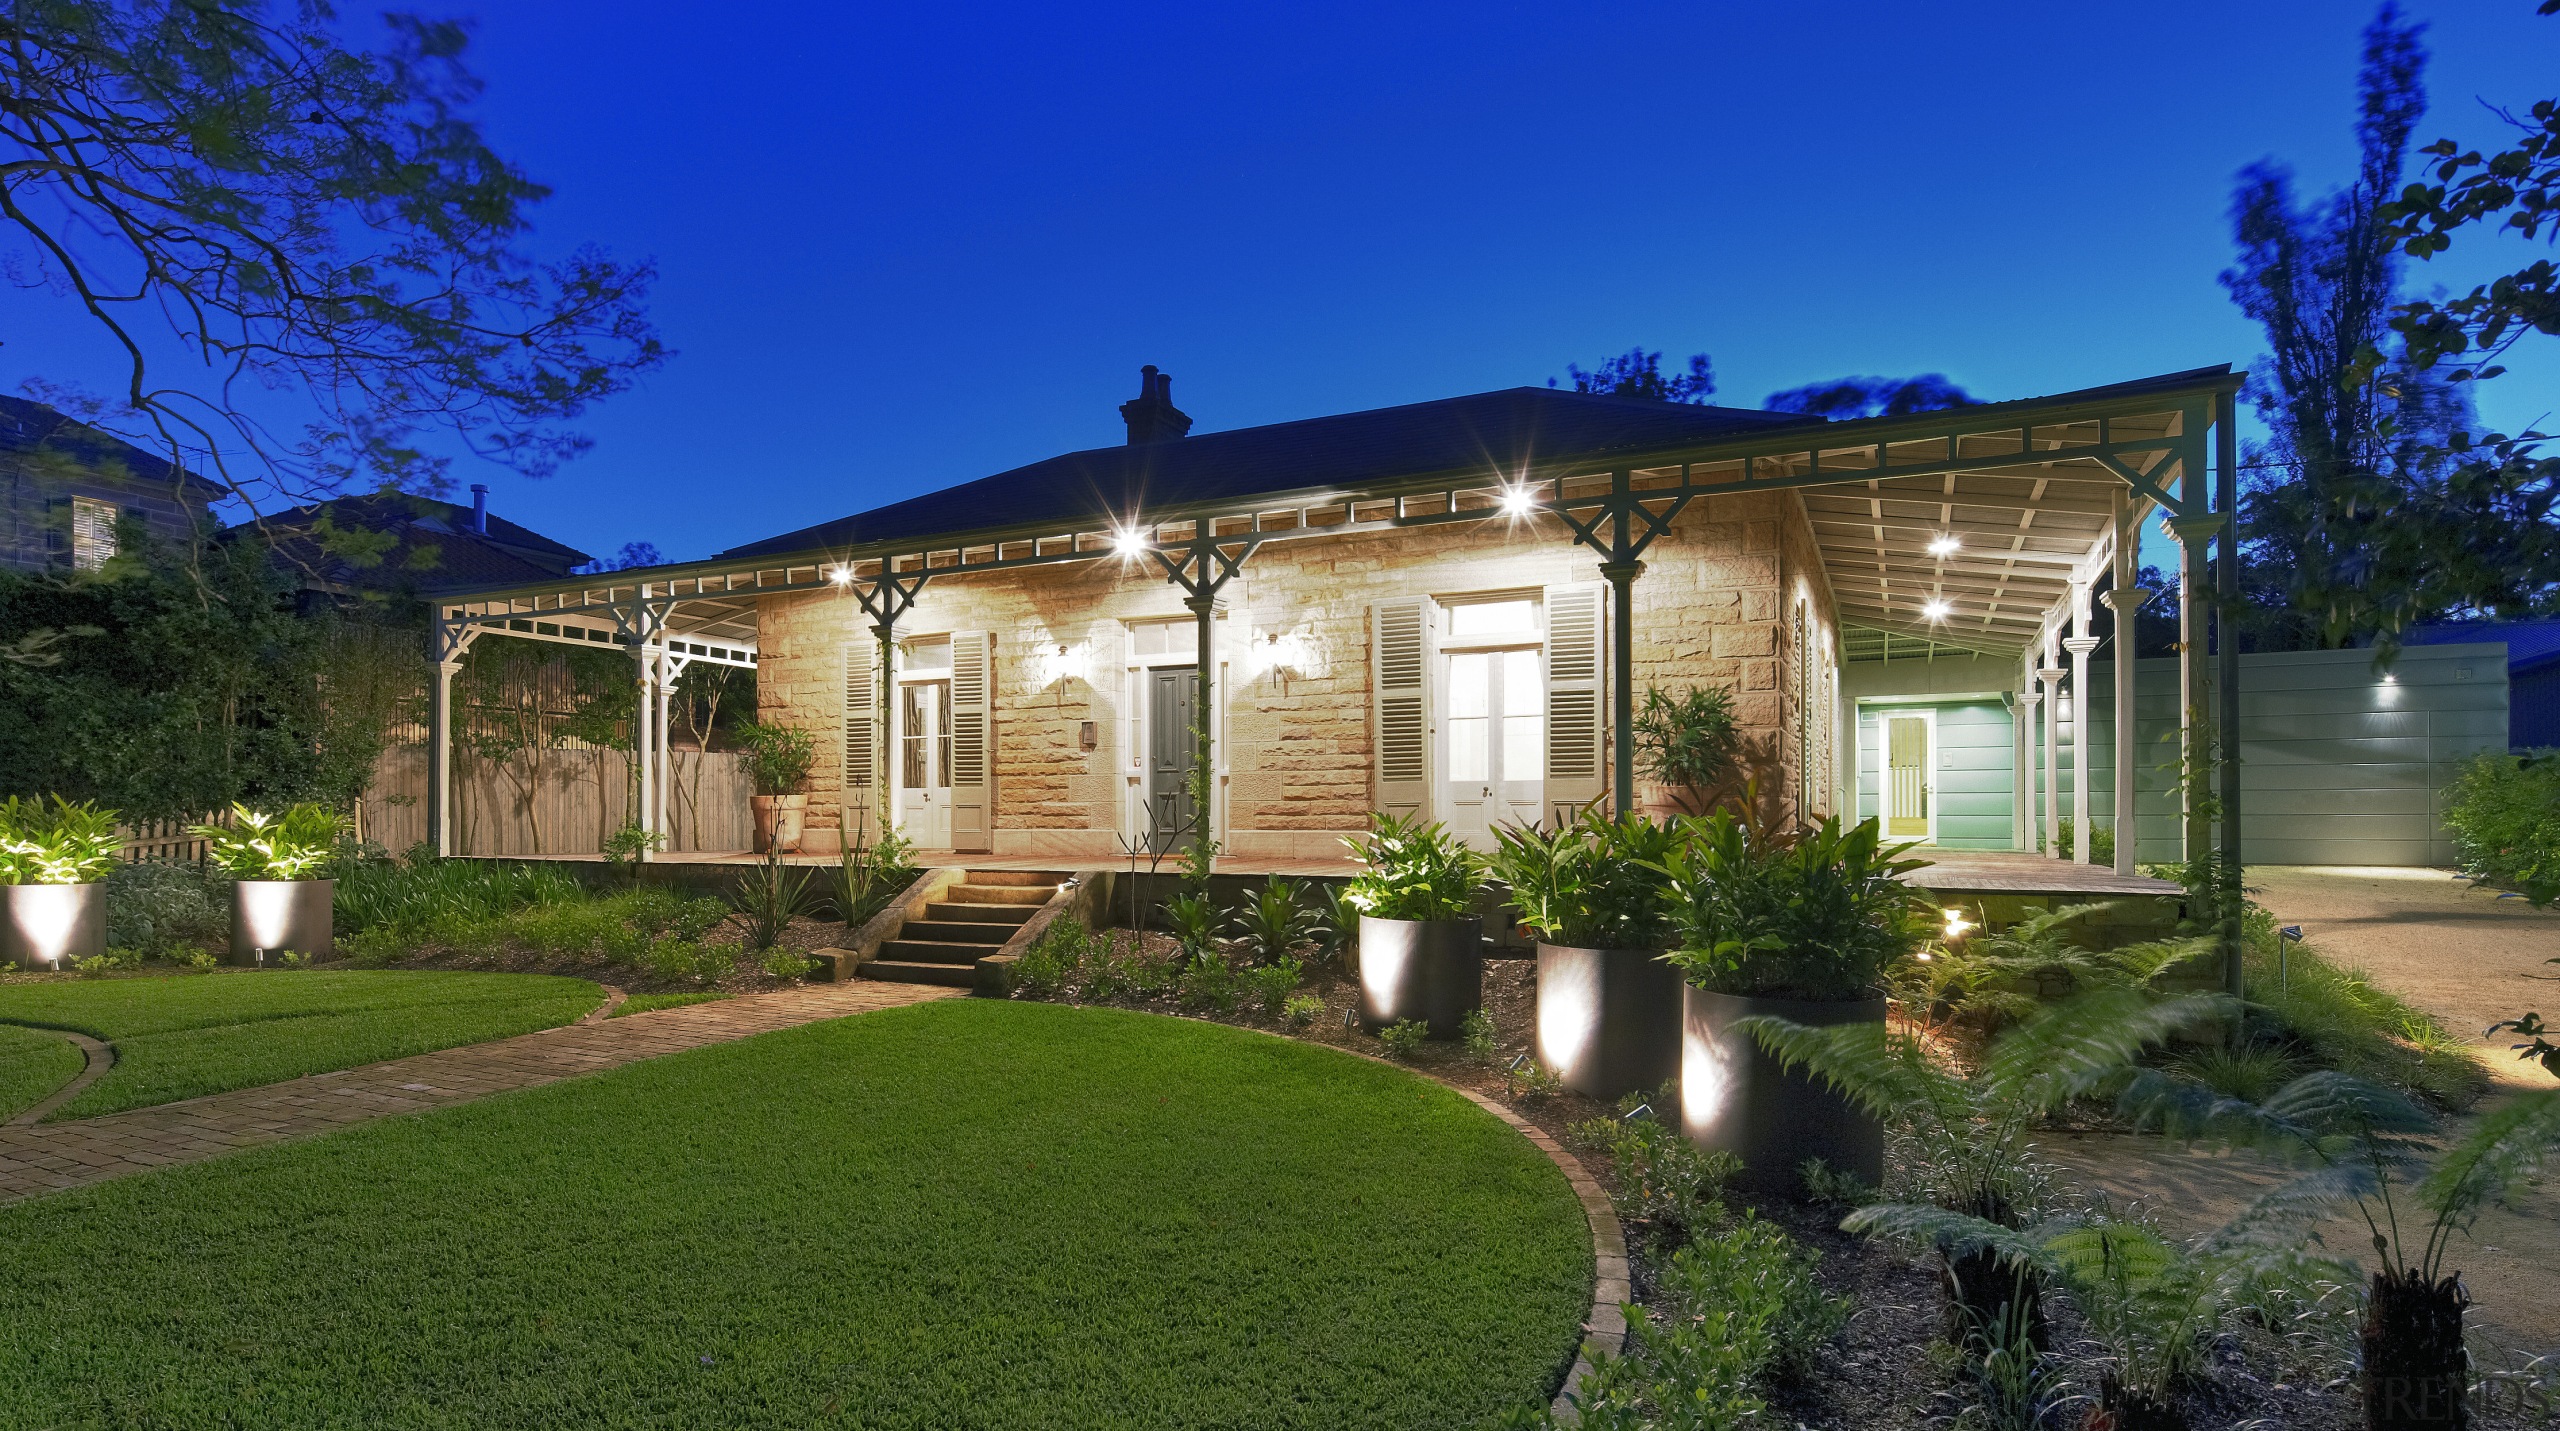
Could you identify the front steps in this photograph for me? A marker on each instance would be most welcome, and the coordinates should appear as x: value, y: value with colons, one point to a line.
x: 971, y: 920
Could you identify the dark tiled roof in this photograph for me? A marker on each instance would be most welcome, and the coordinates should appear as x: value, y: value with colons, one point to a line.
x: 27, y: 426
x: 510, y: 555
x: 1489, y: 432
x: 2530, y: 644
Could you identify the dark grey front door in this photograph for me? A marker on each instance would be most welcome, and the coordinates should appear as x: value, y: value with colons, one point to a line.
x: 1173, y: 697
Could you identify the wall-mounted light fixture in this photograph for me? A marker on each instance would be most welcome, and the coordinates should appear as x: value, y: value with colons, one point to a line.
x: 842, y: 575
x: 1061, y: 662
x: 1519, y: 501
x: 1129, y: 542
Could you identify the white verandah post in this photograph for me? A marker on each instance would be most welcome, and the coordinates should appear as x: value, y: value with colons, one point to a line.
x: 2051, y: 673
x: 440, y: 747
x: 2125, y: 599
x: 644, y: 656
x: 2080, y: 644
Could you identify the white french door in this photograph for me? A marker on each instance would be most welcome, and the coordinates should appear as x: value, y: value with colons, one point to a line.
x: 1493, y: 740
x: 924, y: 762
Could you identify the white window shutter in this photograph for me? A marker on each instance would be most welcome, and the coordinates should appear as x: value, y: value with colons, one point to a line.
x: 860, y: 791
x: 1400, y: 685
x: 972, y: 740
x: 1577, y: 724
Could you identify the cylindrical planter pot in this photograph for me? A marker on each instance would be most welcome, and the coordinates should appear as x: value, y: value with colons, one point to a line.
x: 46, y: 927
x: 1735, y: 1096
x: 1427, y: 969
x: 1608, y: 1019
x: 273, y: 917
x: 778, y: 821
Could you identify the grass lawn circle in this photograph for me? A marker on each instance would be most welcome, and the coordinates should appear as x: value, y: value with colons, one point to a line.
x: 958, y: 1214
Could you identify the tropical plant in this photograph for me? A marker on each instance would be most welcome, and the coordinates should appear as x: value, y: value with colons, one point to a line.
x: 1337, y: 926
x: 1967, y: 1139
x: 1413, y: 870
x: 161, y: 908
x: 1275, y: 922
x: 1193, y: 918
x: 1819, y: 917
x: 1597, y: 883
x: 869, y: 875
x: 298, y: 844
x: 2371, y: 1149
x: 769, y: 896
x: 778, y: 758
x: 2503, y: 811
x: 1689, y: 745
x: 60, y: 843
x: 1994, y: 978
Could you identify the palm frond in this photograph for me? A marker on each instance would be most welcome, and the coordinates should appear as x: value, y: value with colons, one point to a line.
x: 2070, y: 1049
x: 2281, y: 1217
x: 1954, y: 1234
x: 1885, y: 1074
x: 2508, y: 1146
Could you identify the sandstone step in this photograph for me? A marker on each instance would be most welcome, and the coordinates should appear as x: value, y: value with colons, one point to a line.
x: 1033, y: 895
x: 891, y: 971
x: 1046, y: 879
x: 945, y: 931
x: 980, y: 913
x: 925, y: 951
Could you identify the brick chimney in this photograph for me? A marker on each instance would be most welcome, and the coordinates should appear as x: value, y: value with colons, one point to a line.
x: 1151, y: 415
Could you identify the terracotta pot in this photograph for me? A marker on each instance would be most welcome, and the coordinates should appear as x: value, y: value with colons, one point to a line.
x: 778, y: 820
x: 1734, y: 1096
x: 1608, y: 1019
x: 48, y: 926
x: 1427, y: 969
x: 274, y: 917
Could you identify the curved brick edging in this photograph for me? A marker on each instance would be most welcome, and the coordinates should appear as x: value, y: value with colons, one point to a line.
x: 100, y: 1056
x: 613, y: 998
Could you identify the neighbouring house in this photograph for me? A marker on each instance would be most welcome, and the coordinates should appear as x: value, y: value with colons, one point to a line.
x: 65, y: 487
x: 2532, y: 660
x: 399, y: 545
x: 1446, y: 608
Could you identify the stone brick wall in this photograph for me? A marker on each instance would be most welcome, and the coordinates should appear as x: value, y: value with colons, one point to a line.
x: 1295, y: 753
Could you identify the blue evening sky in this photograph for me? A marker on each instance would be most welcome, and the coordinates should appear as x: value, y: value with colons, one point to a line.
x: 907, y: 245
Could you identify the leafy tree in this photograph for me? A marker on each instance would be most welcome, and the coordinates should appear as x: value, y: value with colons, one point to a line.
x: 632, y: 554
x: 1638, y: 374
x: 249, y: 205
x: 1872, y: 397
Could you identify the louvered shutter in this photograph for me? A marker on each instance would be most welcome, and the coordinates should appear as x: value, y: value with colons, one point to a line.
x: 1577, y: 763
x: 861, y: 790
x: 1400, y: 666
x: 972, y: 740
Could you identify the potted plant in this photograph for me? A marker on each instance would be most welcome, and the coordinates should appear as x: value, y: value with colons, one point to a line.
x: 1421, y: 941
x: 282, y: 900
x: 1799, y: 929
x: 52, y: 861
x: 1608, y: 1001
x: 778, y: 760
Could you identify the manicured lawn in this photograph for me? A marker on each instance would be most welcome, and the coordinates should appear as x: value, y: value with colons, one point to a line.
x: 186, y: 1035
x: 958, y: 1214
x: 643, y: 1003
x: 32, y: 1065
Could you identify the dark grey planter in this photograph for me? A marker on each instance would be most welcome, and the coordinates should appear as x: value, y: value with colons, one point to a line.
x: 47, y: 926
x: 1427, y: 969
x: 270, y: 917
x: 1608, y: 1019
x: 1734, y: 1096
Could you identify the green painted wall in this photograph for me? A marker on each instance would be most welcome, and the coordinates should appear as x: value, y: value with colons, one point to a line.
x: 1975, y: 778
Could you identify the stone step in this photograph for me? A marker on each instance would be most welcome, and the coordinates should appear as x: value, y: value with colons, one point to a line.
x: 925, y: 951
x: 1047, y: 879
x: 1033, y: 895
x: 891, y: 971
x: 944, y: 931
x: 980, y: 913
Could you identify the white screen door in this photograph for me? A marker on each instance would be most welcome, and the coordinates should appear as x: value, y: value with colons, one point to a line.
x: 1493, y: 741
x: 1910, y: 776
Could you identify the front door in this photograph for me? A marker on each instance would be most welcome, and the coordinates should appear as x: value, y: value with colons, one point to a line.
x: 1493, y: 742
x: 1909, y: 777
x: 924, y: 762
x: 1173, y: 752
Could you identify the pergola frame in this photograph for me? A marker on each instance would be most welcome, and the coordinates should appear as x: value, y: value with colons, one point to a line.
x: 1877, y: 492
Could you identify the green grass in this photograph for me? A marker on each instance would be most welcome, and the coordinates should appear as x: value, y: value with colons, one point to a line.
x: 183, y: 1036
x: 32, y: 1065
x: 643, y: 1003
x: 961, y: 1214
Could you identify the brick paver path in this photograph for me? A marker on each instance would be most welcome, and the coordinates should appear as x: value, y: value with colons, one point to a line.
x: 52, y: 1156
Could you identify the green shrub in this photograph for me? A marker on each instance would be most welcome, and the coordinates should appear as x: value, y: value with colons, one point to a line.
x: 1413, y: 870
x: 769, y: 896
x: 784, y: 964
x: 1300, y: 1011
x: 1404, y: 1038
x: 1816, y: 917
x: 160, y: 908
x: 1206, y: 982
x: 1527, y: 1079
x: 60, y: 843
x: 1193, y: 918
x: 1595, y: 884
x: 1275, y: 922
x: 106, y: 963
x: 683, y: 959
x: 778, y: 758
x: 1272, y: 984
x: 2345, y: 1021
x: 2504, y: 814
x: 1688, y: 744
x: 2250, y: 1073
x: 870, y: 875
x: 420, y: 897
x: 1478, y: 1033
x: 1052, y: 960
x: 2102, y: 843
x: 1663, y: 1180
x: 298, y: 844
